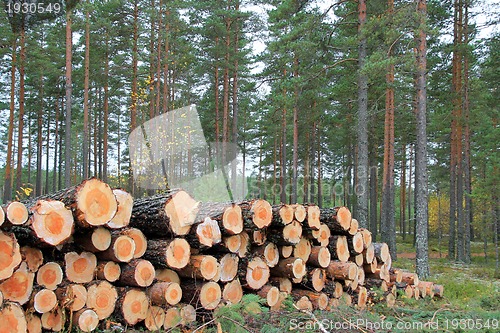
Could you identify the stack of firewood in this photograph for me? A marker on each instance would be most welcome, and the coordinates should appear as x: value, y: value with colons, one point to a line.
x: 89, y: 255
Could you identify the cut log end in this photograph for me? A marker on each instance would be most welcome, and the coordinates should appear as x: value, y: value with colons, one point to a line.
x: 178, y: 253
x: 228, y: 267
x: 200, y: 266
x: 54, y: 320
x: 300, y: 213
x: 232, y: 220
x: 188, y: 314
x: 32, y: 256
x: 172, y: 318
x: 344, y: 217
x: 262, y: 213
x: 303, y: 249
x: 19, y: 286
x: 304, y: 304
x: 10, y: 254
x: 353, y: 229
x: 140, y: 241
x: 12, y: 318
x: 271, y: 294
x: 133, y: 306
x: 45, y: 300
x: 292, y: 233
x: 34, y: 323
x: 124, y: 209
x: 257, y: 273
x: 181, y: 209
x: 210, y: 295
x: 73, y: 296
x: 96, y: 203
x: 138, y: 273
x: 356, y: 244
x: 342, y: 270
x: 101, y: 297
x: 155, y: 318
x: 167, y: 275
x: 320, y: 257
x: 233, y: 243
x: 16, y: 213
x: 286, y: 214
x: 322, y: 235
x: 318, y: 279
x: 162, y: 293
x: 232, y: 292
x: 80, y: 268
x: 313, y: 213
x: 108, y: 270
x: 208, y: 232
x: 52, y: 221
x: 49, y: 275
x: 86, y: 320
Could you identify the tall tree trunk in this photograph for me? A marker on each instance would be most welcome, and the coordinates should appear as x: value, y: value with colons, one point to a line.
x: 67, y: 141
x: 225, y: 92
x: 467, y: 159
x: 134, y: 99
x: 283, y: 148
x: 166, y: 79
x: 47, y: 155
x: 235, y: 101
x: 158, y: 61
x: 151, y: 62
x: 318, y: 147
x: 295, y: 157
x: 422, y: 217
x: 362, y: 126
x: 19, y: 170
x: 106, y: 113
x: 410, y: 169
x: 306, y: 167
x: 39, y: 148
x: 402, y: 215
x: 7, y: 193
x: 387, y: 221
x: 373, y: 192
x: 86, y: 97
x: 216, y: 97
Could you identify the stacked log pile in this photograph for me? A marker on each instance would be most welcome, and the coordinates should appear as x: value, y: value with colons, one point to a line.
x: 91, y: 255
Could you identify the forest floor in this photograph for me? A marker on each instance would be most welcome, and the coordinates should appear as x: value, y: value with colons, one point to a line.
x: 471, y: 303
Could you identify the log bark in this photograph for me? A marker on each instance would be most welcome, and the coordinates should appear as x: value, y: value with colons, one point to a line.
x: 284, y: 284
x: 410, y: 278
x: 381, y: 252
x: 163, y: 215
x: 205, y: 234
x: 167, y: 275
x: 173, y: 253
x: 355, y: 243
x: 124, y: 210
x: 270, y: 293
